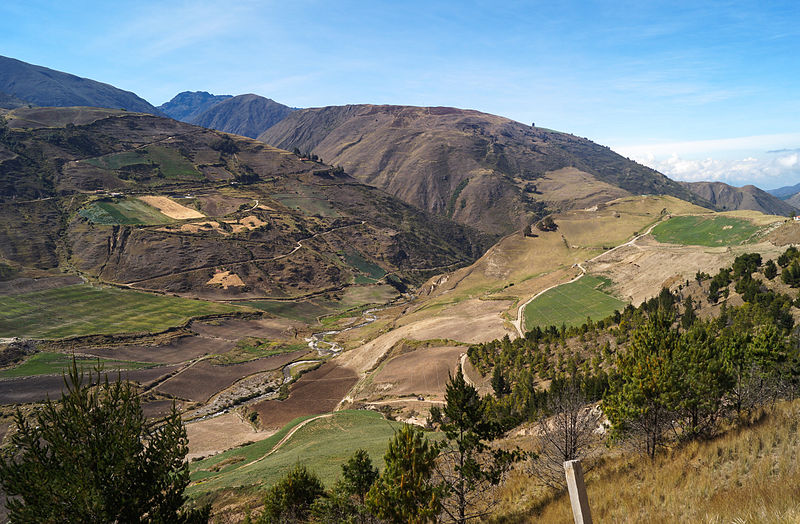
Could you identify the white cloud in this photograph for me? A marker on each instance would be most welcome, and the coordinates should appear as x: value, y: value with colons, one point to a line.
x: 766, y: 160
x: 767, y: 172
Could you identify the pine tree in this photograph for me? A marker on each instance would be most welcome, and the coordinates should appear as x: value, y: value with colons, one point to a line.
x: 404, y: 493
x: 468, y: 465
x: 645, y: 395
x: 358, y: 475
x: 499, y: 384
x: 290, y: 499
x: 93, y: 457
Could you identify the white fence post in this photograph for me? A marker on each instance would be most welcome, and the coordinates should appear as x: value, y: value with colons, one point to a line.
x: 577, y: 492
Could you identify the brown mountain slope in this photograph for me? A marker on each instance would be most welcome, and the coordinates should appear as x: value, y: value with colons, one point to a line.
x: 482, y: 170
x: 246, y: 115
x: 41, y: 86
x: 794, y: 200
x: 729, y: 198
x: 158, y: 204
x: 188, y: 105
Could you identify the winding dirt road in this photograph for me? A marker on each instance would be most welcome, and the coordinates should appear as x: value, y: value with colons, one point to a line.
x: 518, y: 323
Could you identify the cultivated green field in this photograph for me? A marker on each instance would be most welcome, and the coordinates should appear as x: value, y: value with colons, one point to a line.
x: 58, y: 363
x: 571, y: 303
x: 323, y: 444
x: 308, y: 204
x: 705, y: 231
x: 123, y: 212
x: 169, y: 161
x: 371, y: 272
x: 309, y: 310
x: 83, y: 309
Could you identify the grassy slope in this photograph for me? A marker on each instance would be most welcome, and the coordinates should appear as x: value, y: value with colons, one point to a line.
x: 310, y: 310
x: 705, y: 230
x: 571, y: 303
x: 125, y: 212
x: 324, y: 445
x: 57, y: 363
x: 83, y: 309
x: 746, y: 475
x: 581, y: 235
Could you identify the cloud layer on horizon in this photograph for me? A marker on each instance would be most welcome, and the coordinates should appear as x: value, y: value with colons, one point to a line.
x: 766, y: 161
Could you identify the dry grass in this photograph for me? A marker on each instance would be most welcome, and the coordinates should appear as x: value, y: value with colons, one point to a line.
x: 171, y: 208
x: 750, y: 474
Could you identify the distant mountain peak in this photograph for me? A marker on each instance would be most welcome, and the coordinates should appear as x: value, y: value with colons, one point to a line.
x: 247, y: 115
x: 727, y: 198
x: 188, y: 105
x: 41, y: 86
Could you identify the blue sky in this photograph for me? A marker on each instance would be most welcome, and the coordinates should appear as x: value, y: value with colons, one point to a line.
x: 698, y: 90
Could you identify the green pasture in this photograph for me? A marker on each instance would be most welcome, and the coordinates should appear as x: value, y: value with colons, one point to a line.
x: 170, y: 162
x: 308, y: 204
x: 115, y: 161
x: 323, y: 445
x: 83, y: 310
x: 123, y: 212
x: 705, y: 231
x: 372, y: 271
x: 571, y: 303
x: 251, y: 348
x: 309, y: 310
x: 58, y: 363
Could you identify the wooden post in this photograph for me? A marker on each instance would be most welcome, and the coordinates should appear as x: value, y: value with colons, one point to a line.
x: 577, y: 492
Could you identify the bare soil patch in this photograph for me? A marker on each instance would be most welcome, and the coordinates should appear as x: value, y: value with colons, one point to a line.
x: 316, y: 392
x: 639, y: 271
x: 573, y: 188
x: 424, y: 371
x: 214, y: 435
x: 178, y: 350
x: 203, y: 380
x: 36, y: 389
x: 788, y: 233
x: 159, y: 408
x: 234, y: 329
x: 171, y: 208
x: 18, y: 286
x: 225, y: 279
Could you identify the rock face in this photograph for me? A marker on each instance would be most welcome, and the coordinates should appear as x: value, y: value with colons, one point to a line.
x: 729, y: 198
x: 246, y: 115
x: 45, y: 87
x: 481, y: 170
x: 188, y: 105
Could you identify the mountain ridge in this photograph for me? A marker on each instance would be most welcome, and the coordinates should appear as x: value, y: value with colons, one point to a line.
x: 42, y: 86
x: 187, y: 105
x: 479, y: 169
x: 727, y: 198
x: 246, y: 115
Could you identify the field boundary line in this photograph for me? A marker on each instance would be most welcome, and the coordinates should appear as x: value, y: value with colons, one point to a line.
x: 272, y: 450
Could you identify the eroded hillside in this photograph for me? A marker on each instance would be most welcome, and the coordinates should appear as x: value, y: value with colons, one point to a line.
x: 482, y: 170
x: 154, y: 203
